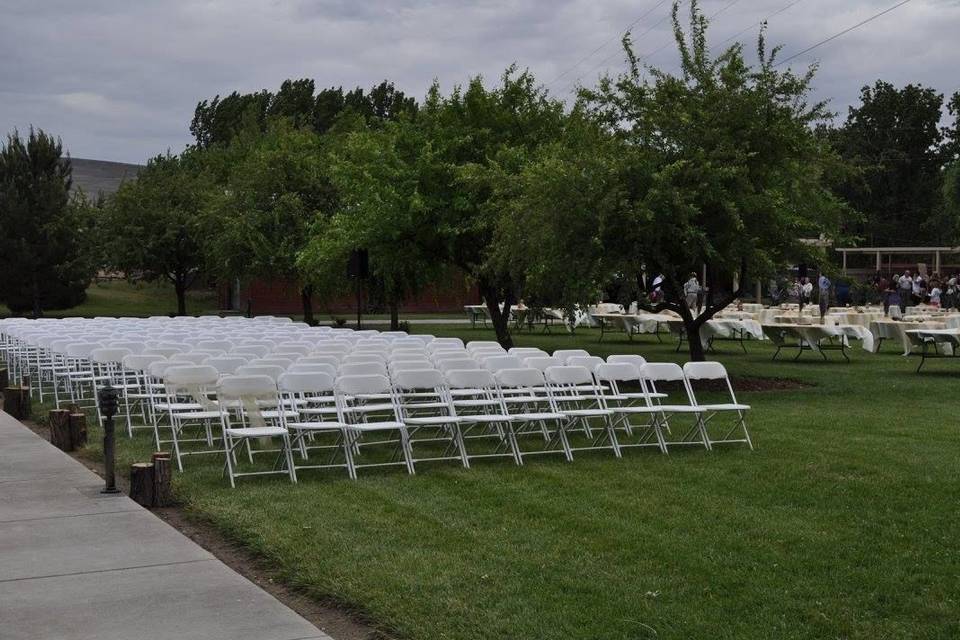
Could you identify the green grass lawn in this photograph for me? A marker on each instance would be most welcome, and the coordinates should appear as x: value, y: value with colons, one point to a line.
x: 843, y: 523
x: 121, y: 298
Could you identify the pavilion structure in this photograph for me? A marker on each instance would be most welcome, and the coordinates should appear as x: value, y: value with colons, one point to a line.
x: 889, y: 259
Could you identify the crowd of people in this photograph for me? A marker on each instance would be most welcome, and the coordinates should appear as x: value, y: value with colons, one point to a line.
x: 906, y: 290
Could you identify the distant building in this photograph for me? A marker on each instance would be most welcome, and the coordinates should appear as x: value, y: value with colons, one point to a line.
x: 100, y: 177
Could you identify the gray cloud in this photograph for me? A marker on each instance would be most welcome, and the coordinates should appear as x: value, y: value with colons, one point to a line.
x: 119, y: 81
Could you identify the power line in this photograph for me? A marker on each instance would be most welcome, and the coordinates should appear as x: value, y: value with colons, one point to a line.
x: 608, y: 41
x: 757, y: 23
x: 841, y: 33
x: 658, y: 49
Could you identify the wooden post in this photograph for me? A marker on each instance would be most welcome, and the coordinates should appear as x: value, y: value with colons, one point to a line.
x: 78, y: 430
x: 16, y: 402
x: 59, y: 421
x: 141, y: 483
x: 162, y: 473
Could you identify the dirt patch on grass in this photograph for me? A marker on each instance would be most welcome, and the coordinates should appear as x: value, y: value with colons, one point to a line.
x: 750, y: 384
x: 336, y: 621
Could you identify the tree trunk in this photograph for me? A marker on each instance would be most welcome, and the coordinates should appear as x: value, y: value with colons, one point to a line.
x: 306, y: 299
x: 695, y: 345
x: 162, y: 473
x: 141, y: 483
x: 78, y: 429
x: 16, y: 402
x: 499, y: 317
x: 181, y: 288
x: 394, y: 316
x: 59, y: 421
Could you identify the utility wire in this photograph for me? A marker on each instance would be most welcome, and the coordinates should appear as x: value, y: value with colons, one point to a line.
x: 608, y: 41
x: 757, y: 23
x: 841, y: 33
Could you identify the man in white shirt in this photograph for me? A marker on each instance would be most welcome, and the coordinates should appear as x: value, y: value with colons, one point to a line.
x: 823, y: 284
x: 905, y: 291
x: 691, y: 292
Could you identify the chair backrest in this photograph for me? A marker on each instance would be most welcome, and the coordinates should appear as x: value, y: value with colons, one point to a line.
x: 274, y: 362
x: 520, y: 377
x: 542, y: 362
x: 364, y: 356
x: 411, y: 365
x: 306, y: 382
x: 269, y: 370
x: 458, y: 364
x: 163, y: 352
x: 233, y: 387
x: 590, y: 362
x: 635, y: 360
x: 565, y: 354
x: 313, y: 367
x: 470, y: 379
x: 82, y: 349
x: 332, y: 360
x: 475, y: 345
x: 419, y: 379
x: 568, y: 375
x: 191, y: 375
x: 109, y: 355
x: 223, y: 345
x: 259, y: 349
x: 134, y: 347
x: 707, y: 371
x: 140, y: 363
x: 158, y: 368
x: 193, y: 358
x: 399, y: 354
x: 617, y: 372
x: 445, y: 343
x: 527, y: 352
x: 355, y: 385
x: 226, y: 365
x: 496, y: 363
x: 408, y: 343
x: 213, y: 353
x: 662, y: 372
x: 363, y: 369
x: 302, y: 348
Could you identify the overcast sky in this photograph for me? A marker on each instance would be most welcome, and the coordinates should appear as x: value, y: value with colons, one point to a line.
x: 119, y: 80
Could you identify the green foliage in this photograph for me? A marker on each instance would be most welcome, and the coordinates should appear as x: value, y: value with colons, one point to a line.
x: 218, y: 121
x: 153, y: 226
x: 46, y: 254
x: 894, y: 139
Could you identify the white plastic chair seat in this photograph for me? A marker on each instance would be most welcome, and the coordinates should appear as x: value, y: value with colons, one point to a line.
x: 475, y: 403
x: 637, y: 395
x: 376, y: 426
x: 256, y: 432
x: 725, y: 407
x: 178, y: 406
x: 318, y: 411
x: 425, y: 420
x: 198, y: 415
x: 315, y: 426
x: 587, y: 413
x: 535, y: 417
x: 275, y: 413
x: 484, y: 418
x: 637, y: 409
x: 679, y: 408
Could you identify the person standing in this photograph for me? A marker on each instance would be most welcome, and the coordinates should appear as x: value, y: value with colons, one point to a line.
x: 691, y: 292
x: 823, y: 285
x: 905, y: 291
x: 806, y: 292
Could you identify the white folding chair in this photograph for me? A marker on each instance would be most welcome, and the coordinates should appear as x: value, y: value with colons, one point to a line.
x: 564, y: 354
x: 624, y: 406
x: 311, y: 396
x: 249, y: 394
x: 660, y: 373
x: 483, y: 415
x: 362, y: 417
x: 573, y: 393
x: 695, y: 371
x: 426, y: 405
x: 532, y: 410
x: 189, y: 403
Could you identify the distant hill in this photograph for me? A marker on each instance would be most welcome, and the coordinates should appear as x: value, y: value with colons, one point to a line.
x: 100, y: 176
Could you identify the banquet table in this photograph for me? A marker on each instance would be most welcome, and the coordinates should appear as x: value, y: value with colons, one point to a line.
x: 897, y: 330
x: 817, y: 337
x: 947, y: 339
x: 633, y: 323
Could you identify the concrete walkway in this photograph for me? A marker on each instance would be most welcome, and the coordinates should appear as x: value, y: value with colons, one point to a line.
x: 77, y: 565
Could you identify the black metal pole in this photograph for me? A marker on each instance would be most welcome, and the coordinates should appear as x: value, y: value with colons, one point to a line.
x: 359, y: 300
x: 108, y: 409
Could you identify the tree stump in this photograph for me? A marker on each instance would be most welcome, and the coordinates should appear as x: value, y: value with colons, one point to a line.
x: 59, y: 421
x: 141, y: 483
x: 78, y: 430
x: 162, y: 473
x: 4, y: 378
x: 16, y: 402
